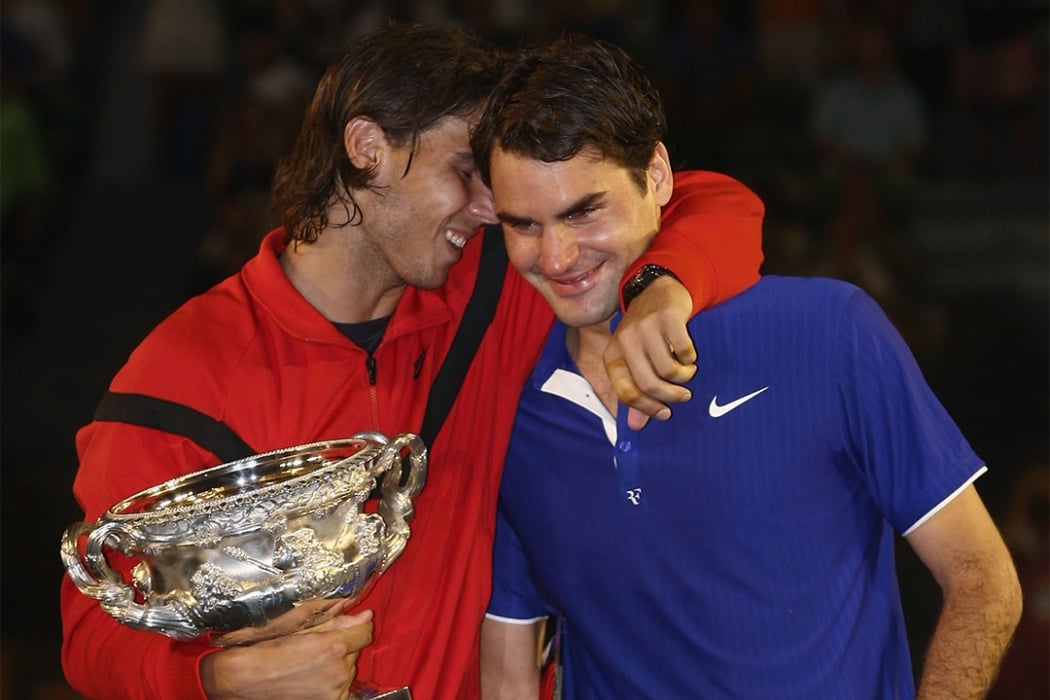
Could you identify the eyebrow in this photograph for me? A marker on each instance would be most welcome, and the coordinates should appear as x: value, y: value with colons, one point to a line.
x: 588, y: 201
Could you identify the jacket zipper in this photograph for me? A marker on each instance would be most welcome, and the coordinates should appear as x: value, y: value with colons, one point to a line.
x: 373, y: 393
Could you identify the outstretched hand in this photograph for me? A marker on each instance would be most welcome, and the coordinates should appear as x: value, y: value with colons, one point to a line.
x: 651, y: 354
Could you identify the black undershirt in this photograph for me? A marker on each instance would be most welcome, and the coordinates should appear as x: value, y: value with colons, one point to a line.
x: 366, y: 334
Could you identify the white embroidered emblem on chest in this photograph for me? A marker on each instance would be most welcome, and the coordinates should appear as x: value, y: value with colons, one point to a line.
x: 717, y: 411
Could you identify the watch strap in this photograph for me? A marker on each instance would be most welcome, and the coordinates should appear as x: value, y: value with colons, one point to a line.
x: 640, y: 280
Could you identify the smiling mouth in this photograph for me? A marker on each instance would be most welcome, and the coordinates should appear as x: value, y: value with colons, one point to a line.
x: 566, y: 281
x: 567, y: 284
x: 455, y: 238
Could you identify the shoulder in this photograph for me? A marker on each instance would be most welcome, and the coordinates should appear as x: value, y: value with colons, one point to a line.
x: 799, y: 295
x: 814, y: 314
x: 200, y: 341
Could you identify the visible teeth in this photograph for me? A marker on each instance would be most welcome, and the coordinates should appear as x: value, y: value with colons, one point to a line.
x: 456, y: 240
x: 572, y: 280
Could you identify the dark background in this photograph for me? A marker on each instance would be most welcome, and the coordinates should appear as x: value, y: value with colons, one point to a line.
x: 128, y: 183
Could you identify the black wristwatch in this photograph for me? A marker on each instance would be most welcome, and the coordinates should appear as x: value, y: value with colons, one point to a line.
x: 642, y: 279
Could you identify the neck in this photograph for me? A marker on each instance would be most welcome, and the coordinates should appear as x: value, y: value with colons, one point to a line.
x: 586, y: 346
x: 338, y: 281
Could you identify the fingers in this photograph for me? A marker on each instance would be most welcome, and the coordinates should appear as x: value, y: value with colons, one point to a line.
x: 315, y: 663
x: 355, y: 630
x: 354, y: 633
x: 314, y: 612
x: 636, y: 420
x: 630, y: 394
x: 647, y: 375
x: 659, y: 355
x: 349, y: 634
x: 676, y: 339
x: 303, y: 616
x: 651, y: 354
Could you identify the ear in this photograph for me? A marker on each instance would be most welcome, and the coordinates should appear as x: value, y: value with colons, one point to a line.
x: 364, y: 142
x: 661, y: 176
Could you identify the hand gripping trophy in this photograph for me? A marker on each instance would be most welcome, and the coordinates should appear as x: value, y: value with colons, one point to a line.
x: 226, y: 551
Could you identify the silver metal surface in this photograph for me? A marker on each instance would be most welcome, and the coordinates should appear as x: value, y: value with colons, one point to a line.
x: 227, y: 551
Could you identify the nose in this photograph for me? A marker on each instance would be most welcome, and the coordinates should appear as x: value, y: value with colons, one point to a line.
x: 558, y: 250
x: 481, y: 204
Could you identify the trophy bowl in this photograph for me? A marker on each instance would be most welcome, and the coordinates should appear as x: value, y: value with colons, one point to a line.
x: 227, y: 551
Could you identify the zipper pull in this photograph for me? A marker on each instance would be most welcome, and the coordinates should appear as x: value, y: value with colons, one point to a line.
x: 370, y: 365
x: 418, y: 367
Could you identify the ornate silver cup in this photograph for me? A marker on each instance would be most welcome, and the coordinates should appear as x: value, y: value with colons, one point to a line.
x: 226, y: 551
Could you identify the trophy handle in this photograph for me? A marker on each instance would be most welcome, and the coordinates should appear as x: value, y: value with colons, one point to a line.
x: 90, y: 571
x: 95, y: 578
x: 396, y: 508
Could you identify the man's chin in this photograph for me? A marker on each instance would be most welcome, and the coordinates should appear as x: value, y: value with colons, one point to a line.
x: 580, y: 316
x: 435, y: 281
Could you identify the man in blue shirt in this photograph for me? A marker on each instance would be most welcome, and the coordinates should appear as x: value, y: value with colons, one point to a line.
x: 744, y: 548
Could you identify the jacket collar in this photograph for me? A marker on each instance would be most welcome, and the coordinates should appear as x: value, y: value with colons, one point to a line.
x: 270, y: 287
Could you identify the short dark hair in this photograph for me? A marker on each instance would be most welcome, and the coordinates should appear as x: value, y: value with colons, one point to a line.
x: 405, y: 77
x: 574, y: 93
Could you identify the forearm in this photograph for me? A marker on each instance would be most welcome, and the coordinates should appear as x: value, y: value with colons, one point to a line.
x: 982, y: 599
x: 969, y: 642
x: 509, y: 661
x: 711, y: 237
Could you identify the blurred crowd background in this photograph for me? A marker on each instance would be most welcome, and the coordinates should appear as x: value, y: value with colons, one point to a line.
x: 900, y: 144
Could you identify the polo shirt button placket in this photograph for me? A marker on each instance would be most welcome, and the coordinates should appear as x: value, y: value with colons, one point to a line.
x: 629, y: 468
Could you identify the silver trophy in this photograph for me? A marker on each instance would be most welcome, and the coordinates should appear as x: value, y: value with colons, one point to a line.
x: 226, y: 552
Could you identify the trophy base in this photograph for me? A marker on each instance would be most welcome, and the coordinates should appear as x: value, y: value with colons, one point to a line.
x: 373, y: 694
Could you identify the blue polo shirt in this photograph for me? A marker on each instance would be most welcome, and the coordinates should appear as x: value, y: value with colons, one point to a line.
x: 744, y: 548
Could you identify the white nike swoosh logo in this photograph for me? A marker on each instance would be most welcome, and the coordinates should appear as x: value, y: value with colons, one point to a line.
x: 717, y: 411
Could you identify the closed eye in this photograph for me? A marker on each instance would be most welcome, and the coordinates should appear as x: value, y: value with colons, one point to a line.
x: 521, y: 226
x: 581, y: 216
x: 584, y: 209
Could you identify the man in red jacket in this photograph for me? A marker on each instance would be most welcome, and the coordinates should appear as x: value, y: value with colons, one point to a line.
x: 339, y: 325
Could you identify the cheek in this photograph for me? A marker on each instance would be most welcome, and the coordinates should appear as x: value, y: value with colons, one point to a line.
x: 436, y: 194
x: 442, y: 196
x: 521, y: 250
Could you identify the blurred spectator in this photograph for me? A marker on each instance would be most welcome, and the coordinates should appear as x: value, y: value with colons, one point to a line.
x: 282, y: 32
x: 869, y: 124
x: 42, y: 25
x: 704, y: 69
x: 998, y: 66
x: 254, y: 131
x: 929, y: 36
x: 870, y: 116
x: 791, y: 39
x: 27, y: 176
x: 771, y: 146
x: 1000, y: 83
x: 184, y: 51
x: 503, y: 21
x: 42, y: 73
x: 629, y: 23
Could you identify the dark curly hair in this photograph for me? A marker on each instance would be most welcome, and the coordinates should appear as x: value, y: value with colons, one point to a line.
x: 574, y: 93
x: 405, y: 77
